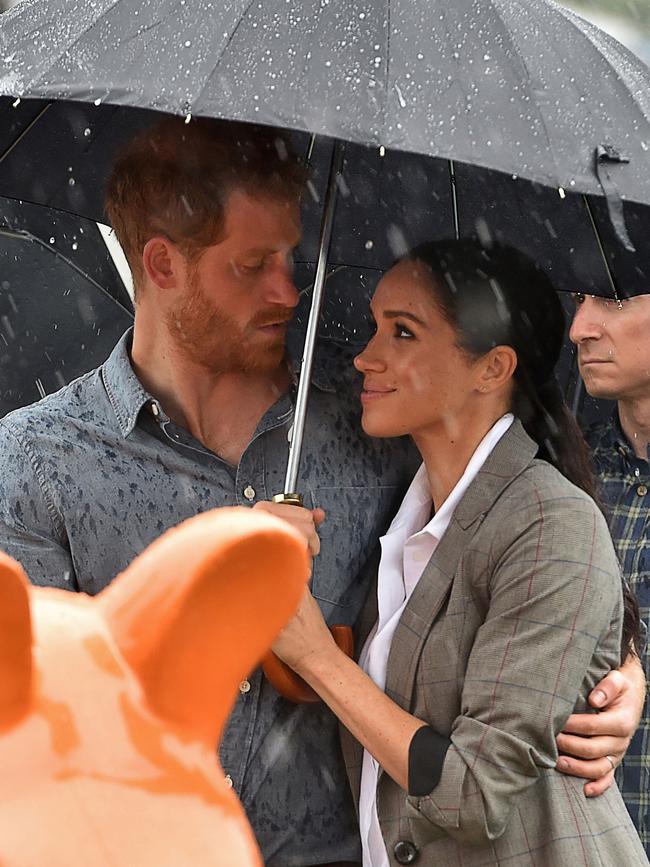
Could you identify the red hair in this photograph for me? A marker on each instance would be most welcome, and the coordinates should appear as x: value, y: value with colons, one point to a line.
x: 174, y: 179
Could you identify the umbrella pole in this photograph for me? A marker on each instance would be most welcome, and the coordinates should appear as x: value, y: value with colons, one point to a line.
x: 295, y: 445
x: 281, y: 677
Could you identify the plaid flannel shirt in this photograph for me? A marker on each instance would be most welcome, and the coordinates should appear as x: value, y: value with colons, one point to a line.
x: 625, y: 489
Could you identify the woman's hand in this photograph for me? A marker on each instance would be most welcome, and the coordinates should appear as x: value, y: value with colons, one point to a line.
x: 594, y: 744
x: 305, y: 638
x: 306, y: 521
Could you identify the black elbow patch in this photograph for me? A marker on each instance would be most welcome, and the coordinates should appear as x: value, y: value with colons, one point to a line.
x: 427, y: 752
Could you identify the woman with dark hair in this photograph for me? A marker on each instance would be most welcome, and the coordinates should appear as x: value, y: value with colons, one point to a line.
x: 498, y: 603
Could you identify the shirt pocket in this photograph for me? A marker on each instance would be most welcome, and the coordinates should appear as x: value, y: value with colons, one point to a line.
x: 355, y: 518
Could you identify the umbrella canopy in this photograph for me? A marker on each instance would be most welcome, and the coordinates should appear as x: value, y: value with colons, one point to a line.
x: 388, y: 200
x: 529, y: 89
x: 62, y: 304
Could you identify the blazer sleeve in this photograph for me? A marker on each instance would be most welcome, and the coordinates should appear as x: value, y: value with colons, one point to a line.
x: 554, y: 603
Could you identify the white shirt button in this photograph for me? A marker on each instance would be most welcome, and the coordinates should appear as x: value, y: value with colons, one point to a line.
x: 249, y: 492
x: 244, y: 687
x: 229, y: 781
x: 642, y: 490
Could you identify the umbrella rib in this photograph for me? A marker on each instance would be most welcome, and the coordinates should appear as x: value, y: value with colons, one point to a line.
x: 589, y: 31
x: 524, y: 65
x: 25, y: 233
x: 78, y: 38
x: 386, y: 86
x: 208, y: 78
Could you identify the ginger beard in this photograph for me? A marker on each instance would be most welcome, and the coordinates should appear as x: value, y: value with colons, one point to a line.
x: 216, y: 341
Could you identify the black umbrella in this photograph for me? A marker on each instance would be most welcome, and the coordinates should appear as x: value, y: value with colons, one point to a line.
x: 62, y: 303
x: 525, y: 88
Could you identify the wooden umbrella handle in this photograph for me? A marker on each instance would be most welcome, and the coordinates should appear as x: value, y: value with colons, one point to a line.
x: 290, y: 685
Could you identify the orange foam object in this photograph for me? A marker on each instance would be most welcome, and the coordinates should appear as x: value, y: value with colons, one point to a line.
x: 111, y: 708
x: 289, y: 684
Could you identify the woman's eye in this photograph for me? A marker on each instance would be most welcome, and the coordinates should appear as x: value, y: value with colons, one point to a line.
x: 402, y: 332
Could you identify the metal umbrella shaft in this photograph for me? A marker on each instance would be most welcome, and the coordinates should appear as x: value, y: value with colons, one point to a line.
x: 281, y: 677
x: 290, y: 494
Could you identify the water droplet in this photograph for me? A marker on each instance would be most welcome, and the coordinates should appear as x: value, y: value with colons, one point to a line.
x: 16, y: 103
x: 188, y: 42
x: 97, y: 101
x: 369, y: 245
x: 75, y: 246
x: 52, y: 239
x: 71, y: 182
x: 87, y: 132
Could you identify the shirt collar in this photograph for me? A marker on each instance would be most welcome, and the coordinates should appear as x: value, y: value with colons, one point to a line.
x: 127, y: 395
x: 125, y: 391
x: 417, y: 502
x: 612, y: 440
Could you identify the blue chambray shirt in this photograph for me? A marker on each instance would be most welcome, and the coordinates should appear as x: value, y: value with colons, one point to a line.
x: 94, y: 473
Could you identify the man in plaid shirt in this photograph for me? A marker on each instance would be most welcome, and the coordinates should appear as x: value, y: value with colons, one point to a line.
x: 613, y: 340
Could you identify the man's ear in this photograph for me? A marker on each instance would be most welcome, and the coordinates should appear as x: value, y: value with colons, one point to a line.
x: 163, y: 263
x: 497, y: 369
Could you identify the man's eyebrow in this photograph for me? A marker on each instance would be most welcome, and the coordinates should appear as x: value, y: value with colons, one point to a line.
x: 264, y: 251
x: 402, y: 314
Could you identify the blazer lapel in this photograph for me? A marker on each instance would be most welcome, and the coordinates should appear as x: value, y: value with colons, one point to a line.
x: 510, y: 457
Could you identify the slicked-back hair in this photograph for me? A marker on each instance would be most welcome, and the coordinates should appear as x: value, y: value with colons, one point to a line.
x: 174, y: 179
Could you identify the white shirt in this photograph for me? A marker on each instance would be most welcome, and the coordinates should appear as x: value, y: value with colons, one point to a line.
x: 406, y: 549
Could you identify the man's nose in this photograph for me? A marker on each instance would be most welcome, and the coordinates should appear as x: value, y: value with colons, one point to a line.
x: 585, y: 324
x: 281, y: 288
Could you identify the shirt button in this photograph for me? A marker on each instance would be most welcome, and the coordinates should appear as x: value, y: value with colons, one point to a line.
x: 155, y: 412
x: 642, y: 490
x: 244, y: 687
x: 249, y: 492
x: 229, y: 781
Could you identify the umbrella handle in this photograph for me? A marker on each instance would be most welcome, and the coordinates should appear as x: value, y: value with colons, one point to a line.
x: 290, y: 685
x: 282, y: 678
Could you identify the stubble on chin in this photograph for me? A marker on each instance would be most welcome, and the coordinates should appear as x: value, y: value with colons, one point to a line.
x: 211, y: 339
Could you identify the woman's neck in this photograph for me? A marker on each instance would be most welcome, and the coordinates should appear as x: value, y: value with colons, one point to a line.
x: 448, y: 448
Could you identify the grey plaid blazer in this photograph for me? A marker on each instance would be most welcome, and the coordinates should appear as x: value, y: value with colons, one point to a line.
x: 516, y: 617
